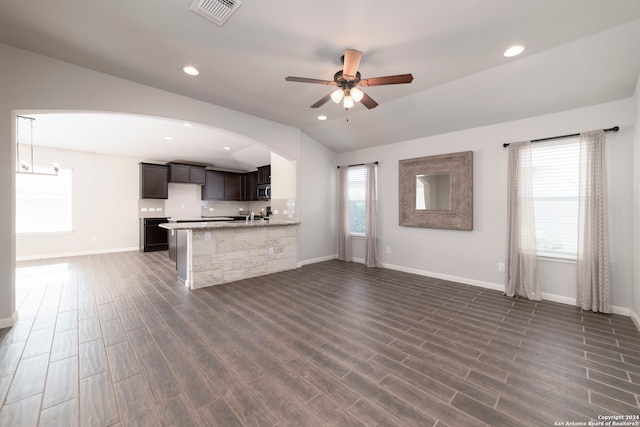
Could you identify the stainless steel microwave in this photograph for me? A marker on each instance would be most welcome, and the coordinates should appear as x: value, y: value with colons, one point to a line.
x: 264, y: 192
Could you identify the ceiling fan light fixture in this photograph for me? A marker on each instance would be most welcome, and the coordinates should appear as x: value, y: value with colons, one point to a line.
x: 348, y: 101
x: 337, y: 95
x: 357, y: 94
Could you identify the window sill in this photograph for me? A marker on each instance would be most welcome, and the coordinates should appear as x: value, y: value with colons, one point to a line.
x: 358, y: 236
x: 556, y: 259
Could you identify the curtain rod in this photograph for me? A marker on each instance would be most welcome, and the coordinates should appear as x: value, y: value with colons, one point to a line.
x: 358, y: 164
x: 551, y: 138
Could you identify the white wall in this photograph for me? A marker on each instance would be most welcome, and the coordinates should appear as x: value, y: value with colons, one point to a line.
x: 318, y: 203
x: 184, y: 201
x: 35, y: 83
x: 636, y: 209
x: 104, y: 206
x: 473, y: 256
x: 283, y: 177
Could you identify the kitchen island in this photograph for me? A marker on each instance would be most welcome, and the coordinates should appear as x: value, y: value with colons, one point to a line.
x: 215, y: 252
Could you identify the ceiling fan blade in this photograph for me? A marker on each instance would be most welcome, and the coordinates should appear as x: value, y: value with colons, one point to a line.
x: 306, y: 80
x: 368, y: 102
x: 322, y: 101
x: 387, y: 80
x: 351, y: 62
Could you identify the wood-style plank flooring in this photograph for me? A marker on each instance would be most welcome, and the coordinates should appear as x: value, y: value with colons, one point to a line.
x: 115, y: 339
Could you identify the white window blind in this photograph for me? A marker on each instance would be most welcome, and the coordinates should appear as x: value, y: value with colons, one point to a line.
x: 555, y: 187
x: 43, y: 202
x: 357, y: 207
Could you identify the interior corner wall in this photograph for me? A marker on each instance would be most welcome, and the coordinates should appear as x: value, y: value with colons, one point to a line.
x: 318, y: 201
x: 32, y: 82
x: 7, y: 218
x: 472, y: 257
x: 636, y: 209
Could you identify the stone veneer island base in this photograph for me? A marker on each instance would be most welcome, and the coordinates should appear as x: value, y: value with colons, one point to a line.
x: 212, y: 253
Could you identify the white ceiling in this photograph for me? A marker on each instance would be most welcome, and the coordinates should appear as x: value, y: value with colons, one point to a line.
x: 146, y: 138
x: 579, y: 52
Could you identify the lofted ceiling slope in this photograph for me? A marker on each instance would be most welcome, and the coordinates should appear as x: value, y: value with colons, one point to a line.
x: 579, y: 52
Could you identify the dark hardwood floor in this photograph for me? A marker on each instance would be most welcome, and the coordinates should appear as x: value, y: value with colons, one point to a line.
x: 115, y: 340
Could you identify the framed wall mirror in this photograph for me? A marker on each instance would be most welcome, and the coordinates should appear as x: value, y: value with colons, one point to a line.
x: 437, y: 191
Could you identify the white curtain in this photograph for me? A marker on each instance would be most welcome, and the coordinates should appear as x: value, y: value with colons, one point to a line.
x: 371, y: 223
x: 344, y: 233
x: 594, y: 287
x: 522, y: 264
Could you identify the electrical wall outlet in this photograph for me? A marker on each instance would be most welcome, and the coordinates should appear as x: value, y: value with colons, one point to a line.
x: 207, y: 235
x: 501, y: 267
x: 270, y: 251
x: 388, y: 249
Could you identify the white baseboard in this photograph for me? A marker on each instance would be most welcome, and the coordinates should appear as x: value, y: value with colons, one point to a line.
x: 458, y: 279
x: 623, y: 311
x: 316, y: 260
x: 9, y: 322
x: 72, y: 254
x: 498, y: 287
x: 558, y: 298
x: 635, y: 319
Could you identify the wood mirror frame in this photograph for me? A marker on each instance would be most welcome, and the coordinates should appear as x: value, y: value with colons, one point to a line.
x: 460, y: 167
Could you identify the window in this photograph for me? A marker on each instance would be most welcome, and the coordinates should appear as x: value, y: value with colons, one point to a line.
x: 357, y: 207
x: 555, y: 190
x: 43, y: 202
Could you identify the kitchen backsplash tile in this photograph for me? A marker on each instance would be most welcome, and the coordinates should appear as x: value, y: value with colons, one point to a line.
x: 283, y: 209
x: 221, y: 208
x: 150, y: 208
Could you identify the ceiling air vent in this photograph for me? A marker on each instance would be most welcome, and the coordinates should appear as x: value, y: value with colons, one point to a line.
x: 217, y: 11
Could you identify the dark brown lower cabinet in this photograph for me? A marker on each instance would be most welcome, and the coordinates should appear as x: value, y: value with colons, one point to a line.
x: 152, y: 236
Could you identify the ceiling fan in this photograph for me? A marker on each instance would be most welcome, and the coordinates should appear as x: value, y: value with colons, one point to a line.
x: 348, y: 81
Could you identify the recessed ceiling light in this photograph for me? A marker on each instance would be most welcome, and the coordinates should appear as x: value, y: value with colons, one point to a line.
x: 187, y: 124
x: 192, y: 71
x: 514, y: 51
x: 227, y: 148
x: 322, y: 117
x: 168, y: 138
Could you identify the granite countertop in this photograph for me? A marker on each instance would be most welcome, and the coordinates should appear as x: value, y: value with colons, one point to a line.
x: 224, y: 224
x: 200, y: 219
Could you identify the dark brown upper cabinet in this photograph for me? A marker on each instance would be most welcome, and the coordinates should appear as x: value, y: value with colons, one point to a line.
x: 153, y: 181
x: 223, y: 186
x: 213, y: 188
x: 188, y: 174
x: 196, y: 174
x: 232, y: 186
x: 264, y: 175
x: 250, y: 186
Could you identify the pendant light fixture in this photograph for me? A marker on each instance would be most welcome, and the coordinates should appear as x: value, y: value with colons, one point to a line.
x: 22, y: 165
